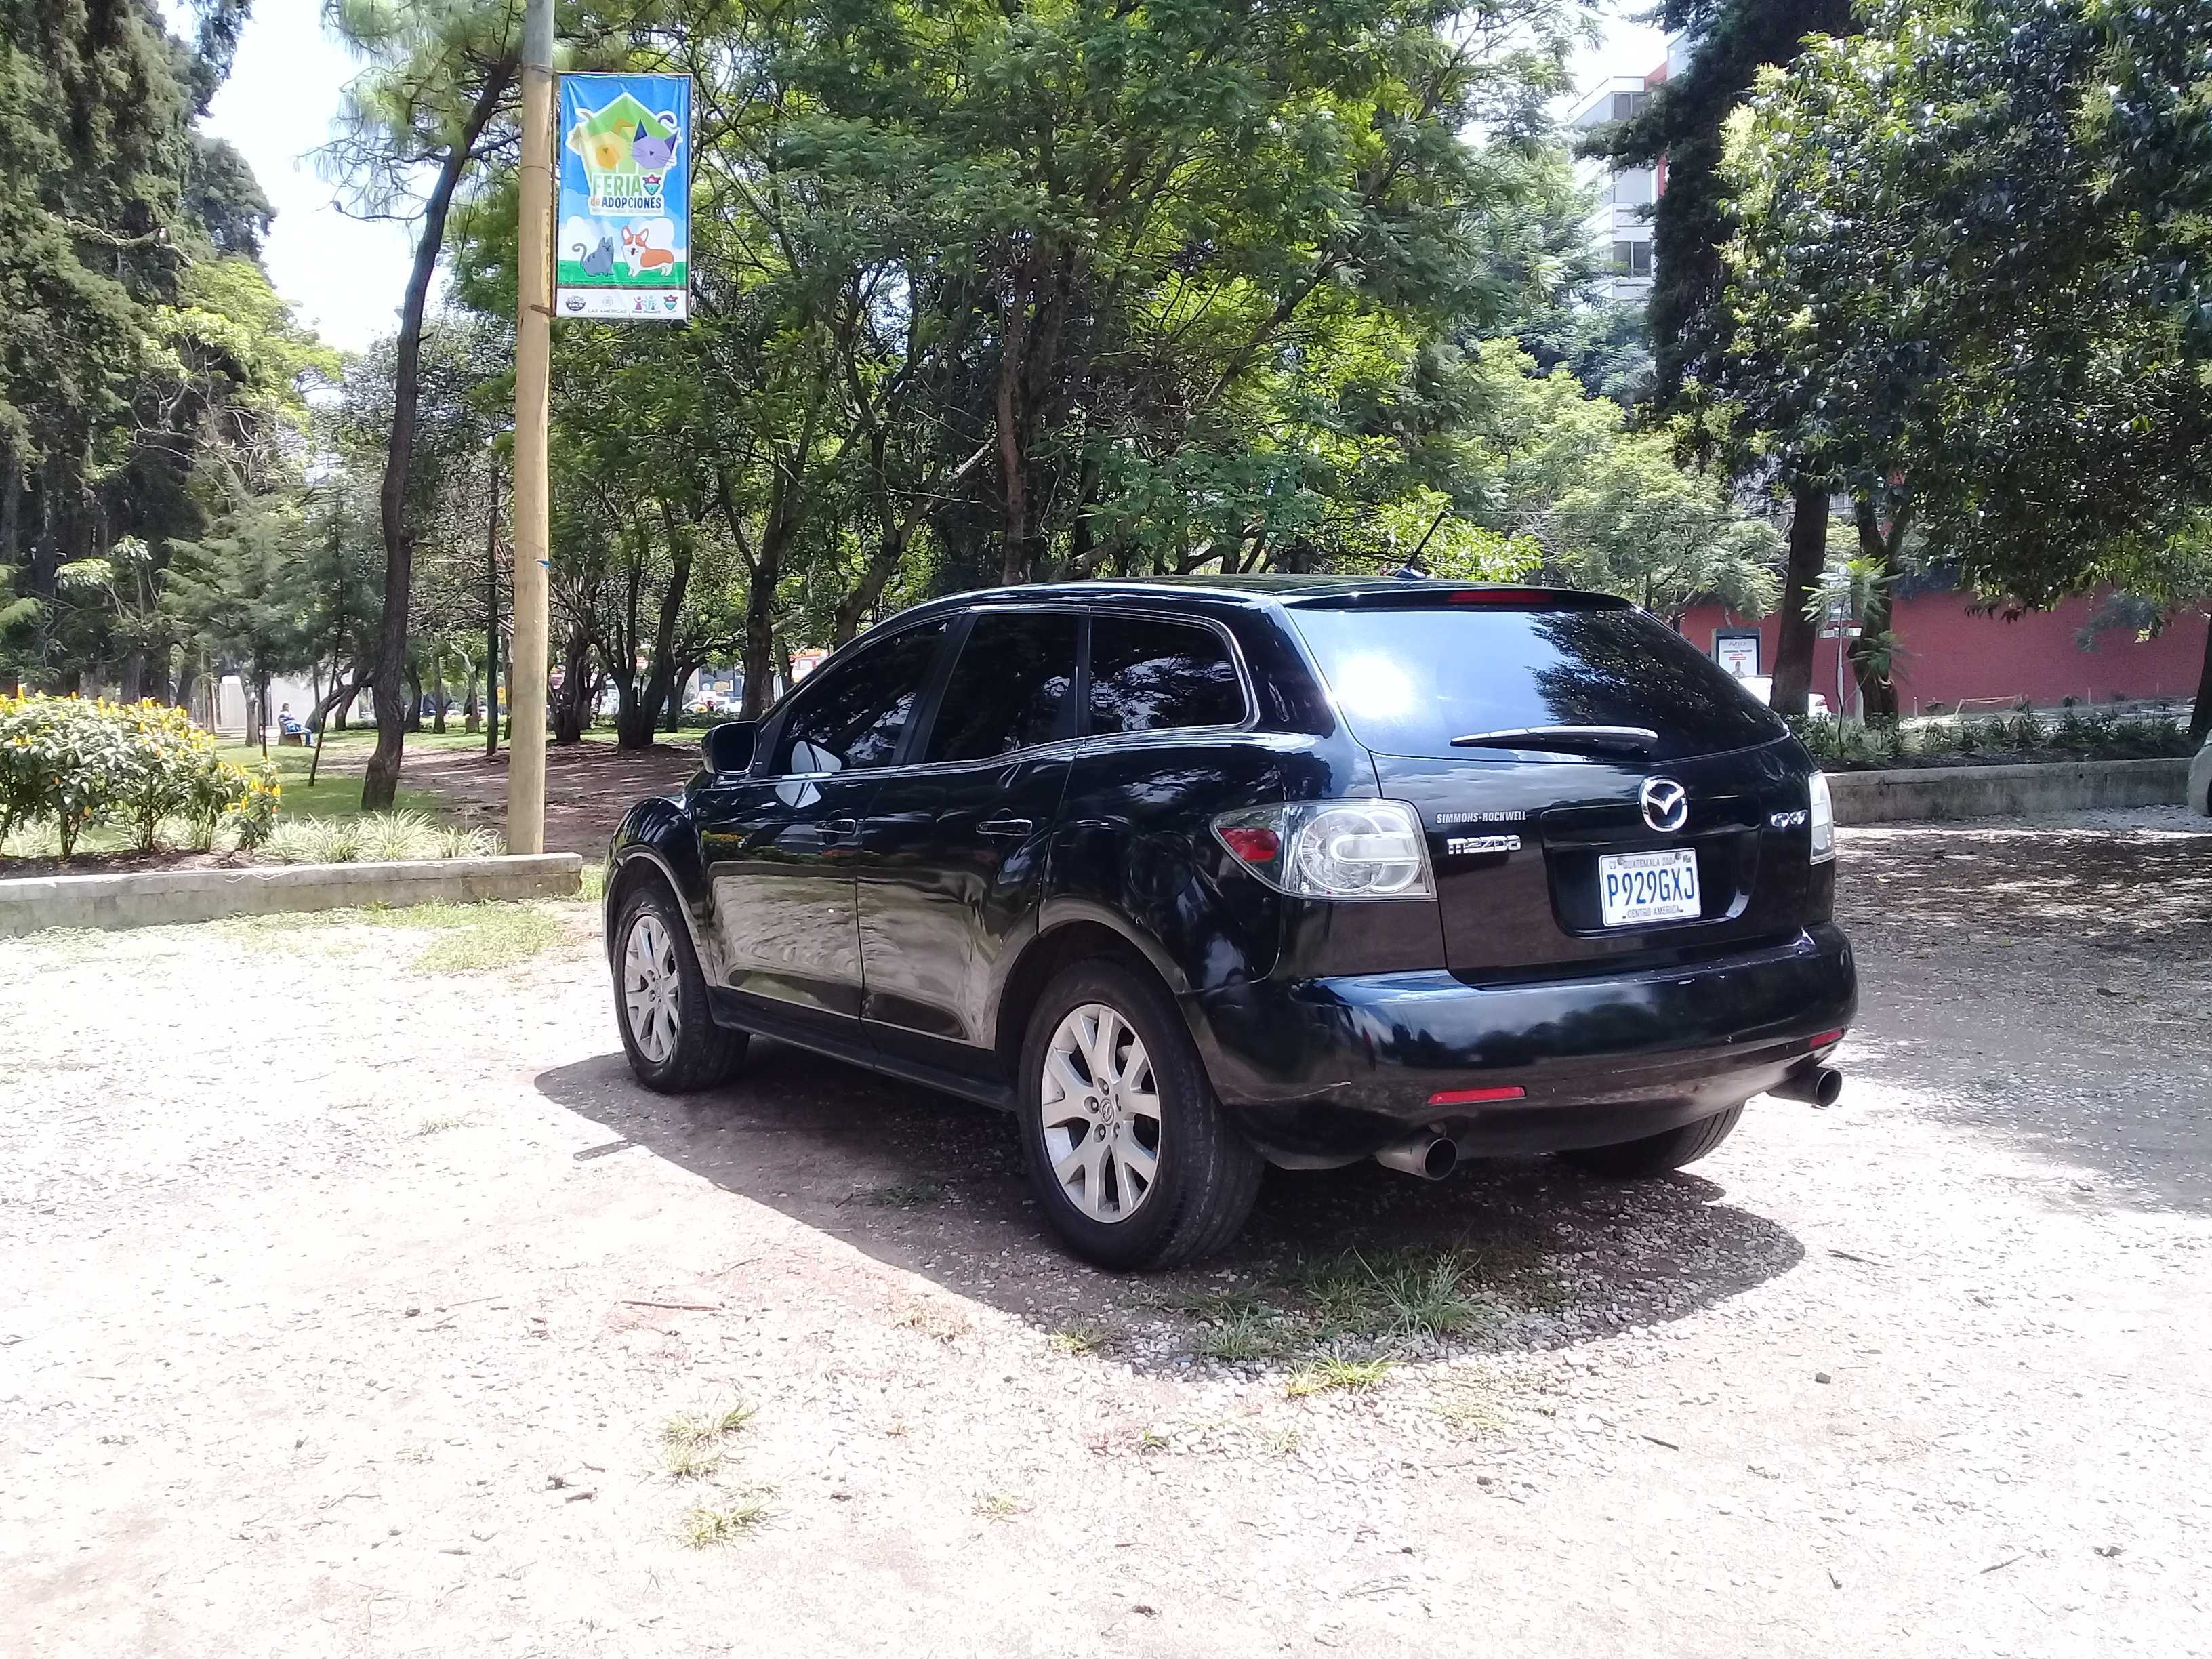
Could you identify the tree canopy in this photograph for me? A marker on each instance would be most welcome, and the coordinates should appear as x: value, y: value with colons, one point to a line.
x: 1969, y: 280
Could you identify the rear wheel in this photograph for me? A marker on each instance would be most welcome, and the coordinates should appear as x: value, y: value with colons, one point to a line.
x: 1133, y: 1160
x: 661, y: 1001
x: 1659, y: 1154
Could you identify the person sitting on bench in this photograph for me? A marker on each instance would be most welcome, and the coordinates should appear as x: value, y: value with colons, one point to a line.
x: 288, y: 727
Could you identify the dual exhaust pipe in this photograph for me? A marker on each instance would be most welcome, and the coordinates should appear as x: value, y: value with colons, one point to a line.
x: 1433, y: 1157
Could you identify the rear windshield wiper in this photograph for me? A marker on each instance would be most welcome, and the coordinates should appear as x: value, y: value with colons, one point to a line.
x: 1575, y: 739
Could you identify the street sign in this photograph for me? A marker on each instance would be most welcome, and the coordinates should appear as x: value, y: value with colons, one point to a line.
x: 622, y: 253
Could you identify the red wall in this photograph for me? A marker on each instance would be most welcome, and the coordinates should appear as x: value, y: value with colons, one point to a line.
x: 1945, y: 653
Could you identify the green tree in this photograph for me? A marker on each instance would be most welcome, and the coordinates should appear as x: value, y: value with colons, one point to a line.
x: 1692, y: 328
x: 1970, y: 280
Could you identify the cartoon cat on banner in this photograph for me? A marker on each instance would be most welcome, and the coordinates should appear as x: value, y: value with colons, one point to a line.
x: 625, y: 248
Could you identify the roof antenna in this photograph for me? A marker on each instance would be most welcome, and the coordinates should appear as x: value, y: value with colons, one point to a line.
x: 1409, y: 572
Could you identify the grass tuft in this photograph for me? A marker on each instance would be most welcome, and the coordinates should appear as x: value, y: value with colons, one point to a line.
x: 437, y: 1126
x: 1331, y: 1374
x: 1242, y: 1334
x: 1082, y: 1337
x: 904, y: 1194
x: 1000, y: 1506
x: 692, y: 1442
x: 710, y: 1524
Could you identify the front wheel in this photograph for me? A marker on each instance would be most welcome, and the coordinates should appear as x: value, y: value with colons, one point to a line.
x: 661, y: 1001
x: 1133, y: 1160
x: 1659, y: 1154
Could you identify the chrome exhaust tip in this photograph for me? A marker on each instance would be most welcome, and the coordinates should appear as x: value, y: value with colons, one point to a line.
x: 1814, y: 1084
x: 1429, y: 1157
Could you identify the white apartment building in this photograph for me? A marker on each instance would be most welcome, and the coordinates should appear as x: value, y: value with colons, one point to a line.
x: 1622, y: 225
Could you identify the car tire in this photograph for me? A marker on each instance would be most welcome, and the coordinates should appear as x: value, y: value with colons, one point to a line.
x: 668, y: 1031
x: 1659, y: 1154
x: 1165, y: 1158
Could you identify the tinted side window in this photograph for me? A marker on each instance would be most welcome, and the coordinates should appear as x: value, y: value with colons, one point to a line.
x: 1147, y: 676
x: 1009, y: 688
x: 853, y: 716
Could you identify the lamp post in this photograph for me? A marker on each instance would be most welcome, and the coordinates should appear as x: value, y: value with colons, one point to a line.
x: 533, y: 318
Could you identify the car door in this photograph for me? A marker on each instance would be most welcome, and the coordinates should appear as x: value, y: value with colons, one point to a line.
x: 956, y: 840
x: 781, y: 845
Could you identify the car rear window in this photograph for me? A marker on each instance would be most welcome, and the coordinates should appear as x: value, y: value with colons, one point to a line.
x: 1410, y: 681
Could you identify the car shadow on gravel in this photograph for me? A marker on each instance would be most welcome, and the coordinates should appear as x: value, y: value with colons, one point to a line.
x: 934, y: 1185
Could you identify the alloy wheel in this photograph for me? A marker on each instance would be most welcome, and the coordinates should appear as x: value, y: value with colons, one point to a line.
x: 652, y: 988
x: 1101, y: 1108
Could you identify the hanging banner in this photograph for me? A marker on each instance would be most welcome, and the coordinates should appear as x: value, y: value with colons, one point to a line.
x: 624, y: 253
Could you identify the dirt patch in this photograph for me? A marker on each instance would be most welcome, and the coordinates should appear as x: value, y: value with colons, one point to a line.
x: 588, y: 786
x: 360, y: 1307
x: 117, y: 864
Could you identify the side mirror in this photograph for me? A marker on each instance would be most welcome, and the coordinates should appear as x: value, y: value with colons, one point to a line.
x: 729, y: 747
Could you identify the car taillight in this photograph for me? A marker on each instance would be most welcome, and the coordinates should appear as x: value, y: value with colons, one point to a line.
x: 1332, y: 849
x: 1824, y: 820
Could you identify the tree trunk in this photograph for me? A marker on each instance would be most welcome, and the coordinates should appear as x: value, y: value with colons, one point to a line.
x: 133, y: 678
x: 2200, y: 717
x: 1878, y: 545
x: 438, y: 689
x: 379, y: 783
x: 642, y: 713
x: 414, y: 719
x: 1795, y: 631
x: 568, y: 706
x: 471, y: 711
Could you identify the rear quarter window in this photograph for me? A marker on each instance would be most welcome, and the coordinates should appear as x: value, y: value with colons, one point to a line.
x: 1409, y: 681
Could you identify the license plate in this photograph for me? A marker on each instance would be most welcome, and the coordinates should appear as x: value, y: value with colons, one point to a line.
x: 1634, y: 888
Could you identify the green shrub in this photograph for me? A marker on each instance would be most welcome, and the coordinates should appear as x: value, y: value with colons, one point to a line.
x: 73, y: 763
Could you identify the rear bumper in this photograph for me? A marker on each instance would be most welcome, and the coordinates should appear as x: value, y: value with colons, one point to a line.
x: 1326, y: 1071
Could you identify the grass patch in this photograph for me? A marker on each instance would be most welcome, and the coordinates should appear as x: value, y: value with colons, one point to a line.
x: 1471, y: 1410
x: 692, y: 1442
x: 944, y: 1323
x: 1082, y: 1337
x: 1000, y: 1506
x: 1244, y: 1333
x: 496, y: 936
x: 1331, y: 1374
x: 904, y: 1194
x: 1401, y: 1293
x: 437, y: 1126
x: 709, y: 1524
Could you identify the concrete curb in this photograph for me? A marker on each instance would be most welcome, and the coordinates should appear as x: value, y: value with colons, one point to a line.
x: 156, y: 898
x: 2005, y: 792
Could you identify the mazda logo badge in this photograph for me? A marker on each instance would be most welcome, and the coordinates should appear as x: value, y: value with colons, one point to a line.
x: 1666, y: 805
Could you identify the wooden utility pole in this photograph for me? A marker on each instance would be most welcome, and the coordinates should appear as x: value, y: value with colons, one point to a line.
x: 533, y: 532
x: 491, y: 614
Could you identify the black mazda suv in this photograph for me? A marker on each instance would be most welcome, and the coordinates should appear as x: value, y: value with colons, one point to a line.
x: 1193, y: 878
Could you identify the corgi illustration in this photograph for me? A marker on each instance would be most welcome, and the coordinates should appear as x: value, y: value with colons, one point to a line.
x: 650, y: 246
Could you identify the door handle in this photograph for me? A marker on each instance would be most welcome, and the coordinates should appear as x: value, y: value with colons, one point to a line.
x: 838, y: 828
x: 1004, y: 826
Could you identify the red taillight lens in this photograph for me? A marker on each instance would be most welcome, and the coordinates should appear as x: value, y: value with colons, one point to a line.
x: 1827, y: 1039
x: 1475, y: 1096
x: 1252, y: 844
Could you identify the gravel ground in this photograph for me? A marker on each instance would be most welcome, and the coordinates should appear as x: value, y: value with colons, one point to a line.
x: 352, y: 1306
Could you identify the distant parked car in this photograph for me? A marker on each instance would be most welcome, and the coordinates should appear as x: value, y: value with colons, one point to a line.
x: 2200, y: 779
x: 1304, y: 871
x: 1762, y: 687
